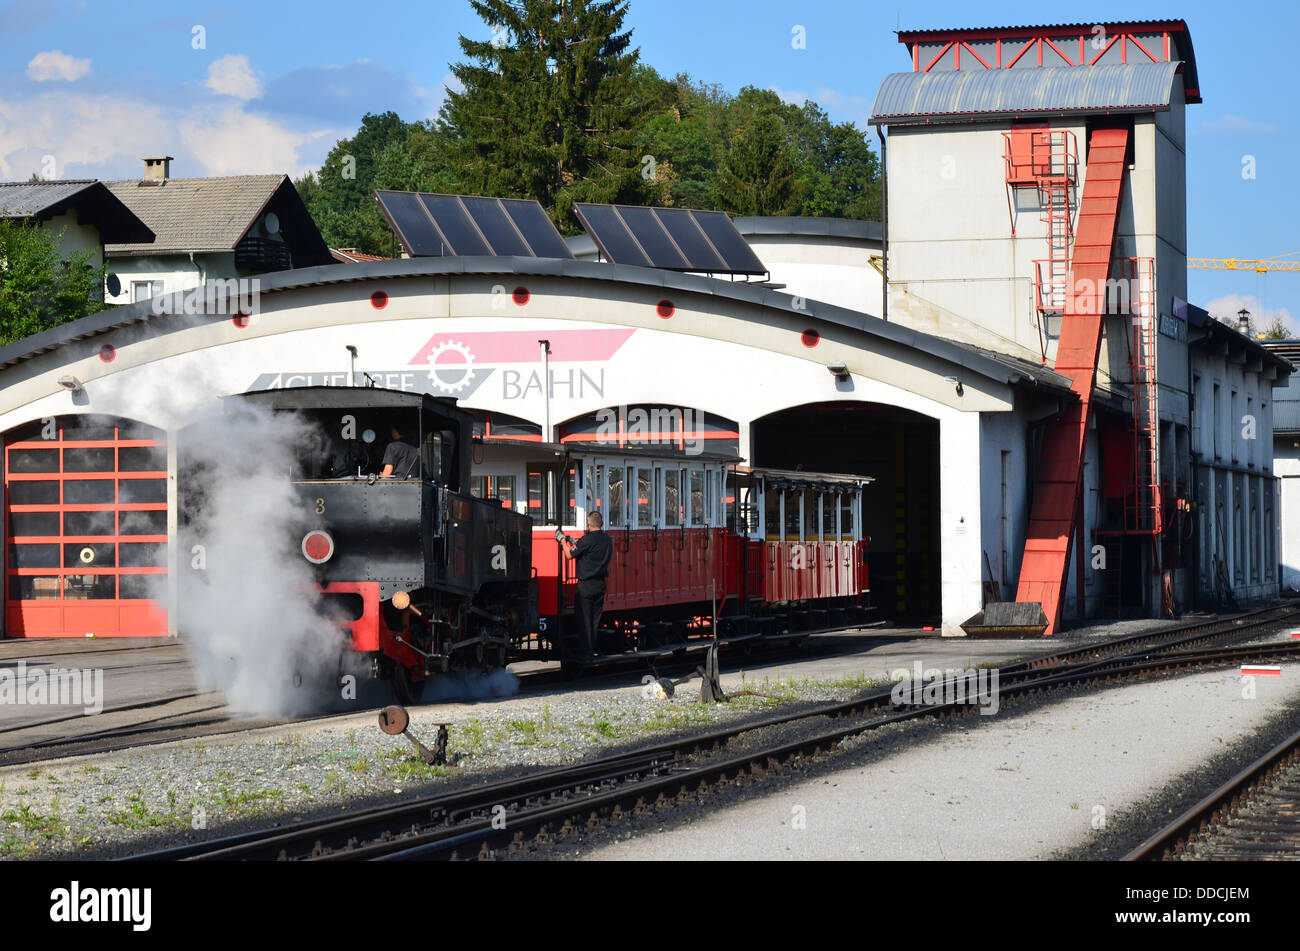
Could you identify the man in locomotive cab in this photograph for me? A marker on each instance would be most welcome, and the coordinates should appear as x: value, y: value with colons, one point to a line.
x: 592, y: 554
x: 401, y: 458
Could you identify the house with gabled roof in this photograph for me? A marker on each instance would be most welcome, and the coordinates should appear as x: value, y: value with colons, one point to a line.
x: 209, y: 229
x: 82, y: 213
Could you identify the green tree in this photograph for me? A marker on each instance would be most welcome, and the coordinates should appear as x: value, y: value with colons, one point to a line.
x: 339, y: 194
x: 1277, y: 330
x: 38, y: 289
x: 548, y: 107
x: 756, y: 175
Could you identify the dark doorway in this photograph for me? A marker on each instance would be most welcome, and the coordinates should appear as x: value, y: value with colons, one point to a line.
x: 900, y: 511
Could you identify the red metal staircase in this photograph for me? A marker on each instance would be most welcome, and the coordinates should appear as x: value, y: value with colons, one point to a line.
x: 1058, y: 489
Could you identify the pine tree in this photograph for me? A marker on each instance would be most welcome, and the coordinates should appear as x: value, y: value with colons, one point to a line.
x: 548, y: 107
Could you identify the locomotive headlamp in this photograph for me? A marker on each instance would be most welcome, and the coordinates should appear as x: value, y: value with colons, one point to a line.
x: 317, y: 547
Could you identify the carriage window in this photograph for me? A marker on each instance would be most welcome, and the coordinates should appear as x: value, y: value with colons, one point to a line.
x: 616, y: 517
x: 672, y: 497
x: 811, y: 514
x: 590, y: 487
x: 717, y: 497
x: 829, y: 509
x: 568, y: 492
x: 644, y: 497
x: 792, y: 499
x: 697, y: 497
x: 772, y: 514
x: 546, y: 484
x: 846, y: 515
x: 478, y: 486
x: 596, y: 489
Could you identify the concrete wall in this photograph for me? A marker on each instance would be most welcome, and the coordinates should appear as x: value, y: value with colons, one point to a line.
x: 823, y: 268
x: 1004, y: 496
x: 611, y: 348
x: 1286, y: 464
x: 175, y: 271
x: 1235, y: 481
x: 954, y: 268
x: 76, y: 237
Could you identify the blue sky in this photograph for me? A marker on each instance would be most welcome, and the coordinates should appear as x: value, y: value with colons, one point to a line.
x: 91, y: 86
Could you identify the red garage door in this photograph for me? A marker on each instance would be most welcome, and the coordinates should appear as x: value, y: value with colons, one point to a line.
x: 85, y: 528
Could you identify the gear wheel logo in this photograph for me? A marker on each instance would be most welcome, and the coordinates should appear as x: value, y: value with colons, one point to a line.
x: 451, y: 374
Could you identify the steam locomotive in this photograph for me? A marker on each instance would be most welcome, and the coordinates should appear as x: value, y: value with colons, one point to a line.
x: 454, y: 564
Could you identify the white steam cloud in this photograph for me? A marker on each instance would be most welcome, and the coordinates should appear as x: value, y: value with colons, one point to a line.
x: 248, y: 610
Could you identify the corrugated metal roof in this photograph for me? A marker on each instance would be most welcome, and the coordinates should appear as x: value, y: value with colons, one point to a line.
x: 195, y: 214
x: 28, y: 199
x: 904, y: 34
x: 951, y: 95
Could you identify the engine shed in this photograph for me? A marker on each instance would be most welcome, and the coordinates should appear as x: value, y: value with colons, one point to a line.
x: 1005, y: 415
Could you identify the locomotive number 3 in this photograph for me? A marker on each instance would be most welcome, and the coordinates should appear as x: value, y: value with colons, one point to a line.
x: 320, y: 506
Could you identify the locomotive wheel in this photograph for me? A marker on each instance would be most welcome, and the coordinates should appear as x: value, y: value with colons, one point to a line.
x: 407, y: 689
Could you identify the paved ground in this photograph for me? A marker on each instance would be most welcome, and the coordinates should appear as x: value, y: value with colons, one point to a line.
x: 1014, y: 786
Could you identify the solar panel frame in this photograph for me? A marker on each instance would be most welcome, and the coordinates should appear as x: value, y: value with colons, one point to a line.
x: 701, y: 241
x: 611, y: 234
x: 695, y: 244
x: 654, y: 239
x: 454, y: 221
x: 723, y: 235
x: 501, y: 233
x: 431, y: 224
x: 536, y: 227
x: 410, y: 221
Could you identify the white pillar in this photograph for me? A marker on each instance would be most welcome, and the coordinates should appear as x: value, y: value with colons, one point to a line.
x: 959, y: 519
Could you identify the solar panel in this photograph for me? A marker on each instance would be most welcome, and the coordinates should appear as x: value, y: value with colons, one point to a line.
x: 675, y: 239
x: 537, y: 228
x: 454, y: 222
x: 433, y: 225
x: 412, y: 223
x: 735, y: 250
x: 606, y: 228
x: 497, y: 227
x: 657, y: 244
x: 693, y: 243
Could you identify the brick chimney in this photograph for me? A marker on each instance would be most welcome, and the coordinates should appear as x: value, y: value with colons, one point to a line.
x: 157, y: 168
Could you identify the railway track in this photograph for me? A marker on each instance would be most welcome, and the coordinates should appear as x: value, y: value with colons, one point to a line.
x: 537, y: 809
x: 214, y: 719
x: 1255, y: 815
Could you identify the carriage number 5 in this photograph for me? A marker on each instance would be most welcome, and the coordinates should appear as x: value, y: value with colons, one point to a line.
x: 320, y: 506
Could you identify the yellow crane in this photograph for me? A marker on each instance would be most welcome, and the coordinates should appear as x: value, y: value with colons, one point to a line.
x: 1258, y: 265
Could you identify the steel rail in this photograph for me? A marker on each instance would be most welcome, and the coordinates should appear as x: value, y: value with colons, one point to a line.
x: 339, y: 837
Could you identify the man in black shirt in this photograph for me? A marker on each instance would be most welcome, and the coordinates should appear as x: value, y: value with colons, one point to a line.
x: 591, y: 553
x: 401, y: 459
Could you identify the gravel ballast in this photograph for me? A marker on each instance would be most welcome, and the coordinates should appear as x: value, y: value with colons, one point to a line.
x: 152, y: 797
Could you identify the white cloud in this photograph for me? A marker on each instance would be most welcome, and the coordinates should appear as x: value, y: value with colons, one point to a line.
x: 53, y: 64
x: 1225, y: 308
x: 1230, y: 124
x: 233, y: 76
x: 104, y: 136
x: 232, y: 142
